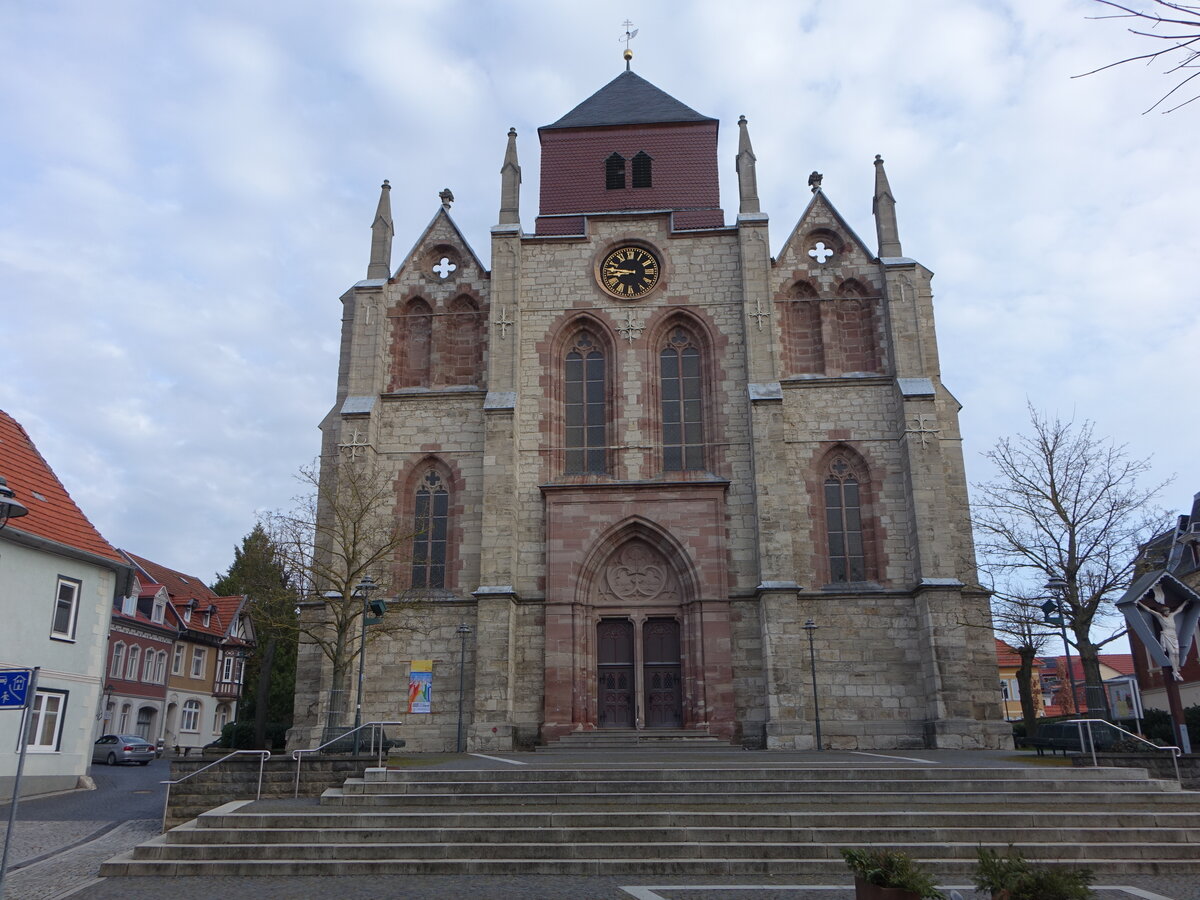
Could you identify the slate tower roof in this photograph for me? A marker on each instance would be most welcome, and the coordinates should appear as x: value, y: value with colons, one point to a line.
x: 628, y: 99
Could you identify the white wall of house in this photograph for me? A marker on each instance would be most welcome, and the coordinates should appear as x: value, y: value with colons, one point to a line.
x: 70, y: 649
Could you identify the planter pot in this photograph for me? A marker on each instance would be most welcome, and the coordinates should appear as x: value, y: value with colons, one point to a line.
x: 865, y: 891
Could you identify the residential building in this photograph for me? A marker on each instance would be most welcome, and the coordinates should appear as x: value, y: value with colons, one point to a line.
x: 59, y: 579
x: 1008, y: 661
x: 1056, y: 684
x: 141, y: 640
x: 205, y: 672
x: 646, y: 447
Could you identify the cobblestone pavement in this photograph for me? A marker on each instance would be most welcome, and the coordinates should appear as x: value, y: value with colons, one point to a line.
x: 541, y: 887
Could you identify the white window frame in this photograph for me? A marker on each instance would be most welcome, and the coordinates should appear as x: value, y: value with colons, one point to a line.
x: 199, y: 660
x: 37, y: 728
x: 72, y: 588
x: 133, y: 661
x: 190, y: 716
x: 160, y: 669
x: 117, y: 669
x: 123, y: 726
x: 227, y: 667
x: 159, y: 610
x: 177, y: 659
x: 148, y: 666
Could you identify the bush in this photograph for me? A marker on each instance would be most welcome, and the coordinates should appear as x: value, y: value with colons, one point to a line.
x: 886, y: 868
x: 1013, y: 877
x: 1156, y: 725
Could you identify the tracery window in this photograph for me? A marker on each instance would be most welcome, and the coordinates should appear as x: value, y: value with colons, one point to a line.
x: 585, y: 409
x: 682, y: 402
x: 614, y: 172
x: 641, y: 169
x: 843, y: 523
x: 430, y: 524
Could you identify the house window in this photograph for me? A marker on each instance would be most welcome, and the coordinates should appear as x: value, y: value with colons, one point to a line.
x: 614, y: 173
x: 1004, y: 689
x: 159, y: 610
x: 682, y: 403
x: 66, y: 610
x: 207, y: 618
x: 641, y: 169
x: 148, y: 668
x: 45, y: 730
x: 177, y: 660
x: 117, y: 669
x: 145, y: 719
x: 430, y: 521
x: 843, y: 523
x: 123, y: 725
x: 221, y: 719
x: 160, y: 670
x: 135, y: 657
x: 190, y: 718
x: 199, y: 655
x: 227, y: 668
x: 187, y: 612
x: 586, y: 412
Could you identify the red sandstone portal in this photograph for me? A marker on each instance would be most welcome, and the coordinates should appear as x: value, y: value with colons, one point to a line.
x: 637, y: 620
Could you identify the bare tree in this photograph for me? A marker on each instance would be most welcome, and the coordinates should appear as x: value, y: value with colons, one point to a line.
x: 342, y: 528
x: 1066, y: 504
x: 1017, y: 618
x: 1176, y: 26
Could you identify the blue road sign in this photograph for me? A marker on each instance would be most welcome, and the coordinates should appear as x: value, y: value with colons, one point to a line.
x: 14, y: 688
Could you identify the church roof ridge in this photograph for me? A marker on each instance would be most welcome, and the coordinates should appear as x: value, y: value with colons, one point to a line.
x: 629, y: 99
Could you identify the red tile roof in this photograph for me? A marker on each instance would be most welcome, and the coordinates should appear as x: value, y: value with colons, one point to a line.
x: 53, y: 515
x: 1006, y: 655
x: 178, y: 585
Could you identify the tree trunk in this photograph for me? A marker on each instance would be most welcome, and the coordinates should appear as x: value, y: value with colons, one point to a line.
x: 1096, y: 696
x: 1025, y: 690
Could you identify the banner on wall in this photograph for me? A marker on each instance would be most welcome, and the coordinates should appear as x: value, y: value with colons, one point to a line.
x: 420, y: 685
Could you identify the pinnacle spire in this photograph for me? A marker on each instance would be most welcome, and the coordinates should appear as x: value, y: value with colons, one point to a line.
x: 884, y: 208
x: 381, y: 235
x: 747, y: 180
x: 510, y: 183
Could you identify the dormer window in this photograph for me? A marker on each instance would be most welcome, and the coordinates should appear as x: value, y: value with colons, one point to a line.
x: 157, y: 613
x: 641, y: 169
x: 207, y: 618
x: 614, y: 173
x: 187, y: 612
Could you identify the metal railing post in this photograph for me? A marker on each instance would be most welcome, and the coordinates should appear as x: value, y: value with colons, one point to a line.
x: 263, y: 756
x: 298, y: 755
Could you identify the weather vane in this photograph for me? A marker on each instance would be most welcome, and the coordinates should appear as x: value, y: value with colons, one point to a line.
x: 630, y: 34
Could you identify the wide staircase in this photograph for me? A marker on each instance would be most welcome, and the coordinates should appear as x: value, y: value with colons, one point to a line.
x: 693, y: 818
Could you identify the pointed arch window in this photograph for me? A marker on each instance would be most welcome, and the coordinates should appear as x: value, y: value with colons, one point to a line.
x: 682, y: 402
x: 430, y: 526
x: 586, y: 411
x: 641, y: 169
x: 614, y: 172
x: 843, y: 523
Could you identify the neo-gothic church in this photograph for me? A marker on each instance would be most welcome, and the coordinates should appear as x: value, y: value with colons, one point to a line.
x: 640, y: 453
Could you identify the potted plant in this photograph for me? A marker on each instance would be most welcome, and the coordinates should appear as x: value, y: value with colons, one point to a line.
x: 1010, y: 876
x: 889, y: 875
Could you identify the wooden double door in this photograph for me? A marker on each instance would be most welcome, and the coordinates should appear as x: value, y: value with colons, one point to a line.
x: 654, y: 674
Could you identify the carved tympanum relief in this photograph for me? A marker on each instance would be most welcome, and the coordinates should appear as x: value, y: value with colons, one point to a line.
x: 637, y: 573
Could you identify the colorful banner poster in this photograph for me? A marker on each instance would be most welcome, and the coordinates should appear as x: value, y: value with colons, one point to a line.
x: 420, y: 685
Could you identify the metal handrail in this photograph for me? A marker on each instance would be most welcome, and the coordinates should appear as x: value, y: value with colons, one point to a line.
x: 263, y: 756
x: 1175, y: 751
x: 298, y: 755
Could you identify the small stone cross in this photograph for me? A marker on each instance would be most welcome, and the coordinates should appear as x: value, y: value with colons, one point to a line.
x: 820, y: 252
x: 921, y: 426
x: 503, y: 322
x: 630, y: 330
x: 356, y: 445
x: 759, y: 315
x: 444, y: 268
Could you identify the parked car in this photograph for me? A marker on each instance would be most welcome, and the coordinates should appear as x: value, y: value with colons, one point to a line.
x: 121, y: 748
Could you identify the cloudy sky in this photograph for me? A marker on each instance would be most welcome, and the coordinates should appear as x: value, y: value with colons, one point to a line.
x: 187, y: 188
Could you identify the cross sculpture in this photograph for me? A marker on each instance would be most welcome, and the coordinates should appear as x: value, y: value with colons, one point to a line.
x: 820, y: 252
x: 630, y: 330
x: 503, y: 322
x: 759, y: 315
x: 356, y: 445
x: 921, y: 426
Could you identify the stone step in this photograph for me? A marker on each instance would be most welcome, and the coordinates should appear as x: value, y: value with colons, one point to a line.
x: 618, y: 834
x: 1048, y: 801
x: 740, y: 787
x: 816, y: 870
x: 335, y: 821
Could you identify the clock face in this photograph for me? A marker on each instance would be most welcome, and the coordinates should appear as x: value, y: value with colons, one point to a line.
x: 629, y: 272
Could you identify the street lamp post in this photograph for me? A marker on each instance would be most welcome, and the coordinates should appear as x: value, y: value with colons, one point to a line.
x: 810, y: 626
x: 10, y: 506
x: 1057, y: 586
x: 462, y: 631
x: 362, y: 589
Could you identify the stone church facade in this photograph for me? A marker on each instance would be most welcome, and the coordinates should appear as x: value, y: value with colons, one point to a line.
x: 640, y: 453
